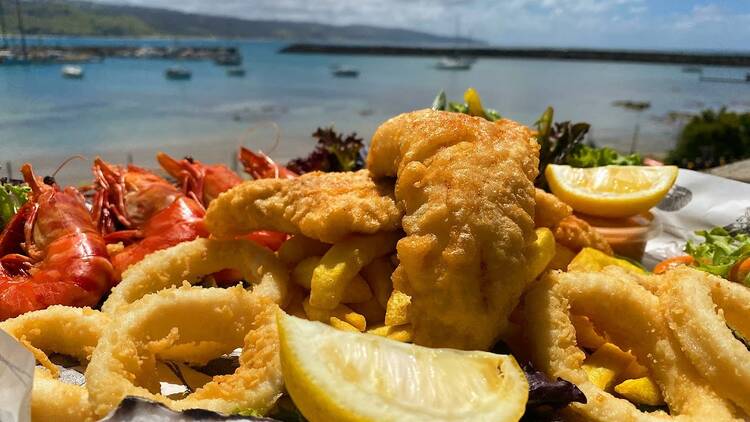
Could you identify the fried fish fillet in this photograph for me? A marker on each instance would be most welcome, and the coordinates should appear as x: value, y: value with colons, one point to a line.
x: 323, y: 206
x: 466, y: 185
x: 569, y: 230
x: 549, y: 210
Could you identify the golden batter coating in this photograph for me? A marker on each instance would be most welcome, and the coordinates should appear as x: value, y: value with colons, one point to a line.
x: 323, y: 206
x: 466, y: 185
x: 549, y: 210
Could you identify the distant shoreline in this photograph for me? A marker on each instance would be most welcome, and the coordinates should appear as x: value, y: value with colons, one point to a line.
x: 636, y: 56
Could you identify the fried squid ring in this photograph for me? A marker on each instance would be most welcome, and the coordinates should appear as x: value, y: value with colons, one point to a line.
x: 690, y: 298
x: 124, y: 363
x: 190, y: 261
x: 631, y: 316
x: 60, y: 329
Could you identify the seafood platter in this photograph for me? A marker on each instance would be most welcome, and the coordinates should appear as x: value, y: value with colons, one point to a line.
x: 457, y: 266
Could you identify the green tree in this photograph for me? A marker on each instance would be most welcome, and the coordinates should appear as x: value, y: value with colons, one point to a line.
x: 713, y: 138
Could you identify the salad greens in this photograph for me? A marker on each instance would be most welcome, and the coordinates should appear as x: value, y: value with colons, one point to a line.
x: 12, y: 197
x: 720, y: 251
x: 586, y: 156
x: 546, y: 396
x: 333, y: 152
x: 556, y: 141
x: 563, y: 143
x: 472, y: 105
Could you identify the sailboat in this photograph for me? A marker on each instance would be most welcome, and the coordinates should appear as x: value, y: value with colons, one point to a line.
x: 72, y: 72
x: 455, y: 61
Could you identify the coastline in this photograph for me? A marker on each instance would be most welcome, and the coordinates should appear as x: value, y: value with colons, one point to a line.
x: 579, y: 54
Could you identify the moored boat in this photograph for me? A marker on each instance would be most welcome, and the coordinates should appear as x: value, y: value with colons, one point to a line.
x: 72, y: 72
x: 454, y: 63
x: 342, y: 71
x: 236, y: 71
x: 178, y: 73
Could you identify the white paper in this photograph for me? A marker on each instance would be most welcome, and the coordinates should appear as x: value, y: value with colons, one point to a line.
x: 16, y: 377
x: 698, y: 201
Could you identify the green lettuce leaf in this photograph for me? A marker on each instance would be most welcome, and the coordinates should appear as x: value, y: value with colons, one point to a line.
x: 586, y: 156
x: 12, y: 197
x: 472, y: 105
x: 720, y: 250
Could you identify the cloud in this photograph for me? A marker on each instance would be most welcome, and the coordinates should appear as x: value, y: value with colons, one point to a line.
x: 656, y: 24
x: 700, y: 15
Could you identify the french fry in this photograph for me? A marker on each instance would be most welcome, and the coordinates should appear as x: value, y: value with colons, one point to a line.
x: 641, y: 391
x: 341, y: 312
x: 397, y: 310
x: 299, y: 247
x: 539, y: 253
x: 371, y: 309
x: 357, y: 291
x: 342, y: 325
x: 378, y: 276
x: 403, y: 333
x: 563, y: 256
x: 606, y: 365
x: 303, y: 271
x: 294, y: 306
x: 344, y: 261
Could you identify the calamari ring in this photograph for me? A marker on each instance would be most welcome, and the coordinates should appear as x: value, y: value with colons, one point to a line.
x: 192, y: 260
x: 690, y: 298
x: 61, y: 329
x: 125, y: 358
x: 631, y: 316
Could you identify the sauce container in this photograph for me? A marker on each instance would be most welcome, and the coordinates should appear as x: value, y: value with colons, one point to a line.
x: 627, y: 236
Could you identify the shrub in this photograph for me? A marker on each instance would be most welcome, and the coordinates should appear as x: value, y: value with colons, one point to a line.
x: 713, y: 138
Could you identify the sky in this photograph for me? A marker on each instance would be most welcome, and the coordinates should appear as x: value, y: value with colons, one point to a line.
x: 653, y: 24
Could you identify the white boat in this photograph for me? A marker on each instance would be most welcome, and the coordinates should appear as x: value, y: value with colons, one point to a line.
x: 341, y: 71
x: 178, y: 73
x: 236, y: 71
x: 454, y: 63
x: 72, y: 72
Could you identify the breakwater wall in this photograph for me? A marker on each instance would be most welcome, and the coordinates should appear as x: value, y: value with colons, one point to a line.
x: 637, y: 56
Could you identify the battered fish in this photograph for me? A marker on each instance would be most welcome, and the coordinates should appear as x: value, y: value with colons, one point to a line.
x: 466, y: 185
x: 323, y: 206
x: 576, y: 234
x: 549, y: 211
x: 569, y: 230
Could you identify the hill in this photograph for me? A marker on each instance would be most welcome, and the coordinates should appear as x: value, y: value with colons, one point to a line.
x: 67, y: 17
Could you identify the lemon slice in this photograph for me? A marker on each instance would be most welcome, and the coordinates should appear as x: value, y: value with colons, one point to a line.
x: 611, y: 191
x: 334, y: 375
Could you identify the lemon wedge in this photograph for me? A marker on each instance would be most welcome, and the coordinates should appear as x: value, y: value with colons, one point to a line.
x: 334, y: 375
x: 611, y: 191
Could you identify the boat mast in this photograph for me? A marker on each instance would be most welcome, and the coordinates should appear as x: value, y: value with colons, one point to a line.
x: 20, y: 29
x: 2, y: 26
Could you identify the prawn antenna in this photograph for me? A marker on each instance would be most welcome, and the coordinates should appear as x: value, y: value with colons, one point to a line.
x: 66, y: 161
x: 253, y: 128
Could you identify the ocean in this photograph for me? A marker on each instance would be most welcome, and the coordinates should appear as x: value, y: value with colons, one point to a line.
x: 125, y: 108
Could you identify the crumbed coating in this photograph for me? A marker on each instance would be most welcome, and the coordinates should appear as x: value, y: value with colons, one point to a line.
x: 549, y: 209
x: 466, y: 187
x: 577, y: 234
x: 322, y: 206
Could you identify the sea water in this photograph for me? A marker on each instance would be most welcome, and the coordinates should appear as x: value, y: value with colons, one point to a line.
x: 126, y: 109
